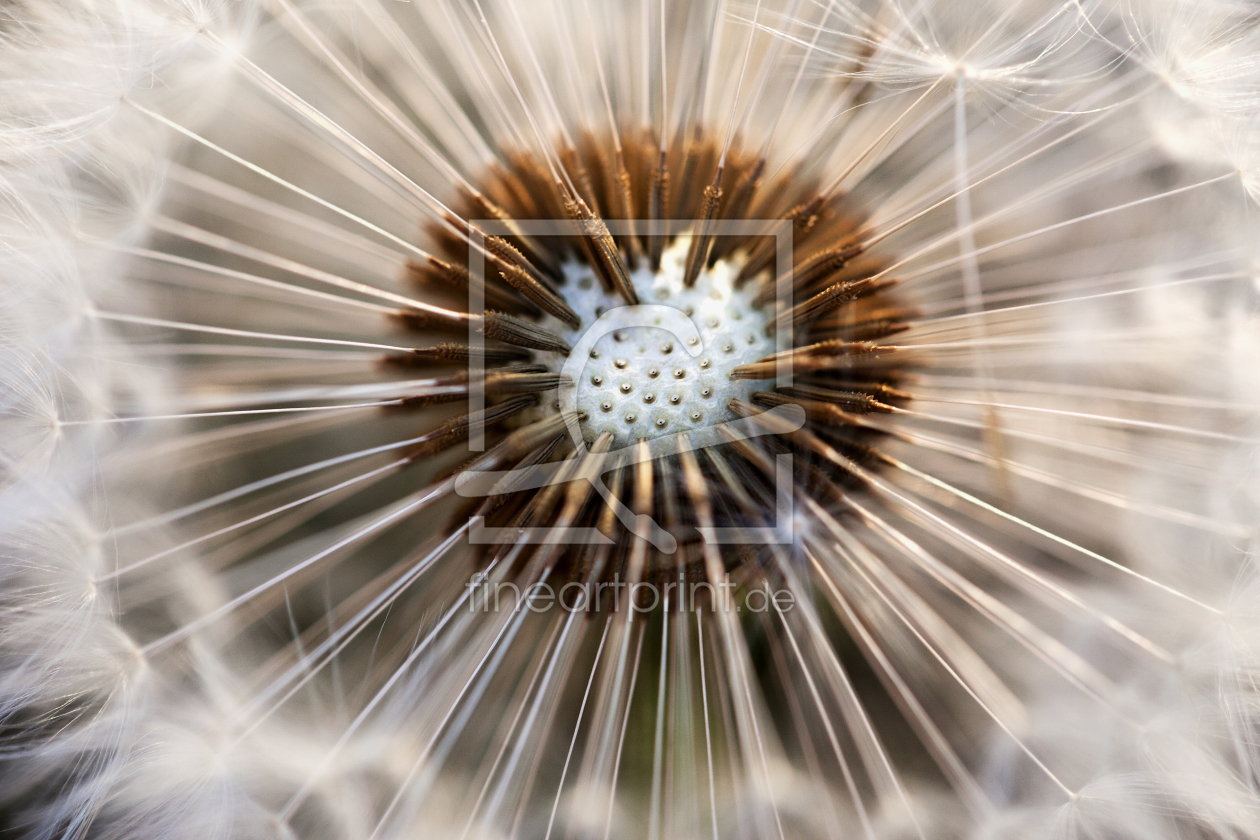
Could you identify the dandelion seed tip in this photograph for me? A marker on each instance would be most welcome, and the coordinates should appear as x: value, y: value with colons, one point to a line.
x: 134, y: 650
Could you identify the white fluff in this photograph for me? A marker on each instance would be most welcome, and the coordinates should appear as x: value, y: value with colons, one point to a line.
x: 1146, y: 319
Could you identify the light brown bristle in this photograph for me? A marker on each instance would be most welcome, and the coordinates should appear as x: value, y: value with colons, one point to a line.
x: 456, y: 429
x: 657, y: 205
x: 543, y: 297
x: 456, y: 278
x: 505, y: 328
x: 421, y: 320
x: 702, y: 239
x: 825, y: 301
x: 602, y: 252
x: 852, y: 402
x: 506, y: 253
x: 453, y: 352
x: 886, y: 393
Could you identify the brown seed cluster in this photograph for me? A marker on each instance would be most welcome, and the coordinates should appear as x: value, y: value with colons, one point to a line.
x: 843, y: 307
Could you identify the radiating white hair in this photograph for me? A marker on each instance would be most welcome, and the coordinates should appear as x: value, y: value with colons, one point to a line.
x: 1037, y: 617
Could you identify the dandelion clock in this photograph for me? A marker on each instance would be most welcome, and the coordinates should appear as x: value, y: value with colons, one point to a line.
x: 663, y: 419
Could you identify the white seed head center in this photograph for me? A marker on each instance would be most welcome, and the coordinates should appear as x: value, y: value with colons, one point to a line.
x: 639, y: 379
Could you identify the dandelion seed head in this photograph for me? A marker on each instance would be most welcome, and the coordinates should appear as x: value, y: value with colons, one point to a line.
x: 249, y: 372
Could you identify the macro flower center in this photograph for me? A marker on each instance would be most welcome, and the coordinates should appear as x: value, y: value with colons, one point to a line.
x: 640, y: 379
x: 677, y: 315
